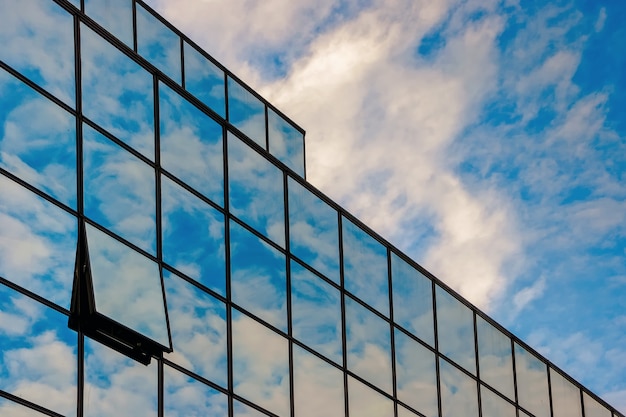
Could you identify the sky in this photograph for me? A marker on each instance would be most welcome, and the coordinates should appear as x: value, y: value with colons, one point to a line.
x: 485, y: 139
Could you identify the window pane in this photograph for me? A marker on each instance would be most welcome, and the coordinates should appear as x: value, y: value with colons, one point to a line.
x: 313, y: 231
x: 416, y: 375
x: 204, y: 80
x: 116, y: 16
x: 260, y: 365
x: 127, y: 286
x: 532, y: 383
x: 246, y: 112
x: 316, y: 312
x: 256, y: 190
x: 37, y: 354
x: 119, y: 190
x: 458, y: 392
x: 117, y: 93
x: 10, y: 408
x: 258, y: 279
x: 37, y: 140
x: 493, y: 405
x: 455, y: 330
x: 593, y: 408
x: 37, y: 39
x: 198, y: 323
x: 191, y: 145
x: 285, y: 142
x: 365, y: 402
x: 365, y: 267
x: 495, y: 357
x: 158, y: 44
x: 193, y: 236
x: 318, y: 386
x: 368, y: 345
x: 183, y: 396
x: 412, y: 300
x: 37, y: 243
x: 242, y: 410
x: 565, y: 397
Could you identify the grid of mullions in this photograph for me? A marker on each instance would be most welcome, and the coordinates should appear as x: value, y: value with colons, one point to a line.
x: 280, y: 302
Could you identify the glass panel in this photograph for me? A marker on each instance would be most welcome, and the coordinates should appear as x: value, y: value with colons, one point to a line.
x: 116, y: 385
x: 260, y: 365
x: 285, y: 142
x: 191, y: 145
x: 117, y: 93
x: 412, y: 300
x: 184, y: 396
x: 317, y: 386
x: 365, y: 267
x: 116, y: 16
x: 37, y: 243
x: 459, y: 396
x: 565, y: 397
x: 37, y: 39
x: 246, y: 112
x: 119, y: 190
x: 9, y: 408
x: 493, y: 405
x: 313, y: 231
x: 495, y: 357
x: 403, y: 412
x: 158, y: 44
x: 365, y: 402
x: 455, y: 330
x: 368, y: 345
x: 593, y: 408
x: 416, y: 375
x: 316, y: 312
x: 37, y: 140
x: 258, y: 279
x: 204, y: 80
x: 193, y: 236
x: 127, y: 286
x: 532, y: 383
x: 198, y: 323
x: 256, y: 190
x: 242, y: 410
x: 37, y: 354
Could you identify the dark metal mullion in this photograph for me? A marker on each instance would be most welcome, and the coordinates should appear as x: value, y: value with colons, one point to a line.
x: 182, y: 62
x: 582, y: 402
x: 26, y: 403
x: 549, y: 389
x: 479, y: 398
x: 516, y: 397
x: 229, y: 313
x: 36, y: 297
x: 344, y: 341
x: 392, y: 333
x: 160, y: 384
x: 267, y: 129
x: 134, y: 9
x: 288, y: 287
x: 437, y: 354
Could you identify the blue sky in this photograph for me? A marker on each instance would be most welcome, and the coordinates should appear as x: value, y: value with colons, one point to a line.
x: 486, y: 139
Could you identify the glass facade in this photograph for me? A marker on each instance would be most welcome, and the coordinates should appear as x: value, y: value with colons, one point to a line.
x: 161, y: 252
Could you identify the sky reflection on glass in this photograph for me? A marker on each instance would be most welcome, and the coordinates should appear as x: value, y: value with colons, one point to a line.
x: 183, y: 396
x: 458, y: 392
x: 365, y: 402
x: 242, y: 410
x: 593, y: 408
x: 158, y: 44
x: 204, y: 80
x: 246, y: 112
x: 285, y: 142
x: 116, y: 16
x: 495, y: 406
x: 565, y: 396
x: 532, y: 382
x: 495, y: 357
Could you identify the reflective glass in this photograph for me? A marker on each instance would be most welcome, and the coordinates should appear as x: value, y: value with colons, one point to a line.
x: 495, y: 357
x: 40, y: 150
x: 204, y: 80
x: 193, y: 236
x: 191, y: 145
x: 198, y: 324
x: 257, y: 277
x: 183, y: 396
x: 37, y: 354
x: 403, y: 412
x: 117, y: 93
x: 37, y: 243
x: 368, y: 345
x: 313, y: 231
x: 127, y: 286
x: 119, y: 190
x: 455, y: 330
x: 116, y: 16
x: 242, y: 410
x: 459, y: 396
x: 10, y: 408
x: 532, y: 382
x: 412, y: 300
x: 285, y: 142
x: 565, y: 397
x: 493, y: 405
x: 116, y: 385
x: 317, y: 386
x: 246, y: 112
x: 416, y: 375
x: 158, y: 44
x: 37, y: 39
x: 260, y: 365
x: 593, y: 408
x: 315, y: 312
x: 365, y: 267
x: 256, y: 190
x: 365, y: 402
